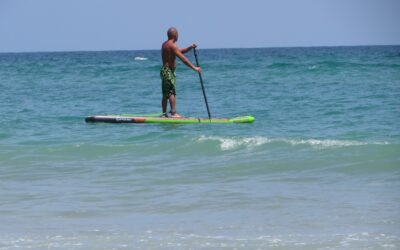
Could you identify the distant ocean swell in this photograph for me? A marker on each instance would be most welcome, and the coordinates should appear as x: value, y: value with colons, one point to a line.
x: 331, y: 65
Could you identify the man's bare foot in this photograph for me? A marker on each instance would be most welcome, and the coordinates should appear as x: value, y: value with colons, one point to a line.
x: 176, y: 115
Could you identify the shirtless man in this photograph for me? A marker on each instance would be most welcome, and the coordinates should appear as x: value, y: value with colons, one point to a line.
x: 170, y: 51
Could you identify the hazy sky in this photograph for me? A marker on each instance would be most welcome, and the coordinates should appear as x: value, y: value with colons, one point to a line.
x: 64, y: 25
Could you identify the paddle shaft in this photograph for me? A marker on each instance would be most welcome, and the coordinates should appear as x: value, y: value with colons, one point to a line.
x: 202, y: 84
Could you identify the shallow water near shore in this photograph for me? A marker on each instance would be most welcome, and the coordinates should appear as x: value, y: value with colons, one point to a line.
x: 318, y: 169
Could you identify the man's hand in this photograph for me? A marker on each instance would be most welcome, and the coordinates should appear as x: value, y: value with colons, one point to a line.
x: 197, y: 69
x: 185, y: 50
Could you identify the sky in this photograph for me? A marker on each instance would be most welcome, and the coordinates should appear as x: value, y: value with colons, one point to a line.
x: 92, y: 25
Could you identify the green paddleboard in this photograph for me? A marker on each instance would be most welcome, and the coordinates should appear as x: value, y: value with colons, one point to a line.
x: 156, y: 118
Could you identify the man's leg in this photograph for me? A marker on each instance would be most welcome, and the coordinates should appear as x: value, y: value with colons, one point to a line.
x: 172, y: 103
x: 164, y: 102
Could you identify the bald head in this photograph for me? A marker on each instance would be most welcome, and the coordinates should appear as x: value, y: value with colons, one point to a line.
x: 172, y: 33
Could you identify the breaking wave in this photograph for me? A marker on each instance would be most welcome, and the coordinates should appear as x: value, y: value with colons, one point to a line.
x: 230, y: 143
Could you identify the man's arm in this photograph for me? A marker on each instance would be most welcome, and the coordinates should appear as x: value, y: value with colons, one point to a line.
x: 185, y: 50
x: 186, y: 61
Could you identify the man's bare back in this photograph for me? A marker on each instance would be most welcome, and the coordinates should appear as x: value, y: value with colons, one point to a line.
x: 169, y: 52
x: 168, y: 55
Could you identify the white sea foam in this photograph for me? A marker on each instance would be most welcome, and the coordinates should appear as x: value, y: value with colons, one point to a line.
x: 116, y: 239
x: 230, y: 143
x: 312, y: 67
x: 332, y: 143
x: 138, y: 58
x: 324, y: 143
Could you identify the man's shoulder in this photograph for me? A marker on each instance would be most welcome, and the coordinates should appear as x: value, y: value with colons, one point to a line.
x: 169, y: 44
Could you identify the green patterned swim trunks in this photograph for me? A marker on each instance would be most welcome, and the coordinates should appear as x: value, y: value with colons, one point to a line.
x: 168, y: 81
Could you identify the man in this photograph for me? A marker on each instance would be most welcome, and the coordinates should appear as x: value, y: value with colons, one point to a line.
x: 169, y: 52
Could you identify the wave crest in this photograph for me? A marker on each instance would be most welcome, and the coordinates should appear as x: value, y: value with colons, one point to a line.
x: 230, y: 143
x: 227, y: 143
x: 138, y: 58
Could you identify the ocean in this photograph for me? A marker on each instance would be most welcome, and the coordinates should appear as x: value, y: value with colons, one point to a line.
x: 318, y: 169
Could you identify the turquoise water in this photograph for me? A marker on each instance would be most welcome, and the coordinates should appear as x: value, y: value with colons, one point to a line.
x: 319, y: 168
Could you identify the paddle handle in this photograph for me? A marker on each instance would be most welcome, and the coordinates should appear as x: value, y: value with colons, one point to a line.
x: 202, y: 84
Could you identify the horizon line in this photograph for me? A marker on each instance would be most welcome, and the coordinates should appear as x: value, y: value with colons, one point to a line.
x: 215, y: 48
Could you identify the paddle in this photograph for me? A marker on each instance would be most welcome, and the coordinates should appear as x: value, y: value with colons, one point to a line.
x: 202, y: 85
